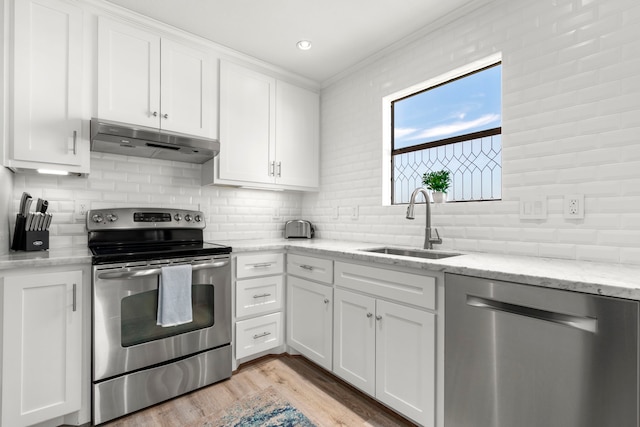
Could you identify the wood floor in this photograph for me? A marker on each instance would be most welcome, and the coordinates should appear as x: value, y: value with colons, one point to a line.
x: 324, y: 399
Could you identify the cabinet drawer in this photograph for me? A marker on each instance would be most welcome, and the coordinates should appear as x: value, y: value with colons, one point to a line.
x: 259, y: 296
x: 310, y: 268
x: 258, y: 334
x: 414, y: 289
x: 259, y: 265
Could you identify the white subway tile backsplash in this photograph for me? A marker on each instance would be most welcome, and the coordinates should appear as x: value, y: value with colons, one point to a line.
x: 571, y: 98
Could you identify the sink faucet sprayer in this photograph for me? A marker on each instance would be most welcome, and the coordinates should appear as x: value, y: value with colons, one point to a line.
x: 428, y: 240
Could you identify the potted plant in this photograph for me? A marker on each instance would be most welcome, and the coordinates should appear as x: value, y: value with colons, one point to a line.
x: 438, y: 182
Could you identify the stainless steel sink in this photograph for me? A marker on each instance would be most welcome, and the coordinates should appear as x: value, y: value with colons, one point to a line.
x: 415, y: 253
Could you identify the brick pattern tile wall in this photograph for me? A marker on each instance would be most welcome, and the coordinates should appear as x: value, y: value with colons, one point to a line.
x: 571, y: 125
x: 122, y: 181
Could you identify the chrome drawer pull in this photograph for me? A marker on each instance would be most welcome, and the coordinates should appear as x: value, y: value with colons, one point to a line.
x: 262, y: 295
x: 263, y: 265
x: 307, y: 267
x: 264, y: 334
x: 74, y: 298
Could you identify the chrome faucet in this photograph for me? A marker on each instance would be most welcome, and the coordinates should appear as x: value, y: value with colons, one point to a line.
x: 428, y: 240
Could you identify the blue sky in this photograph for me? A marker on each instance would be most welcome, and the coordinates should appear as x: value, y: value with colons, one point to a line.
x: 467, y: 105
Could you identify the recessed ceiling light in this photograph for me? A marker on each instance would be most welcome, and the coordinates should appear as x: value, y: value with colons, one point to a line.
x: 304, y: 44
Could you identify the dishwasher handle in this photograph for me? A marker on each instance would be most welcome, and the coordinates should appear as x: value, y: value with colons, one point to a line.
x: 588, y: 324
x: 134, y: 273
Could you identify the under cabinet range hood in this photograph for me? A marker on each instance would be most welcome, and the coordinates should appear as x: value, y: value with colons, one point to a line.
x: 140, y: 141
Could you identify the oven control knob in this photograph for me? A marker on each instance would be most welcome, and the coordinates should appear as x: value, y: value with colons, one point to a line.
x: 177, y: 217
x: 112, y: 217
x: 97, y: 218
x: 187, y: 218
x: 197, y: 218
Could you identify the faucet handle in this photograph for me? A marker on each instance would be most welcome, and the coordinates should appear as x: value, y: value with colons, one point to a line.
x: 437, y: 239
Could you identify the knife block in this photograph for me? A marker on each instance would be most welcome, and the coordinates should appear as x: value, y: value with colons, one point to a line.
x: 24, y: 240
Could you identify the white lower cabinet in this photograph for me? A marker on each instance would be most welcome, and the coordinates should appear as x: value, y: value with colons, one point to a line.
x: 385, y: 348
x: 42, y: 350
x: 310, y: 319
x: 259, y: 301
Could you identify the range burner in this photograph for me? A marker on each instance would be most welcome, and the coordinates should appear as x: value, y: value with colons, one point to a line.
x: 136, y: 234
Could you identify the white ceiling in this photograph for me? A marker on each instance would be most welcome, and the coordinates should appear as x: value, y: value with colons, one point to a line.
x: 343, y: 32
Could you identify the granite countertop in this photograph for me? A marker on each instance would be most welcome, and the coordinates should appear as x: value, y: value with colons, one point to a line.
x: 50, y: 258
x: 616, y: 280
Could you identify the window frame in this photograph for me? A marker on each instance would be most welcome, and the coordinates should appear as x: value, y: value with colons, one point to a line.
x: 388, y: 123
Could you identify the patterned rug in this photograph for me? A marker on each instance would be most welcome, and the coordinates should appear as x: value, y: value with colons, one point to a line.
x: 265, y: 409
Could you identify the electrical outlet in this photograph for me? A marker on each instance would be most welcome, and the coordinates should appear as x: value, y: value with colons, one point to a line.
x: 81, y: 208
x: 276, y: 215
x: 574, y: 206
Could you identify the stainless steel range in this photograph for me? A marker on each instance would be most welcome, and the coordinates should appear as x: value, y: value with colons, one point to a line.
x: 136, y: 361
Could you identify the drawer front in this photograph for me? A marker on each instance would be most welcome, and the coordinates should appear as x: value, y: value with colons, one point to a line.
x: 310, y: 268
x: 414, y: 289
x: 259, y: 296
x: 258, y: 334
x: 259, y: 265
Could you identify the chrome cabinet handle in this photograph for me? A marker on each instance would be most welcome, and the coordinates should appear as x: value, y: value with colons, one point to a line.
x: 263, y: 265
x: 306, y: 267
x: 272, y: 166
x: 75, y: 305
x: 75, y: 142
x: 155, y: 114
x: 369, y: 315
x: 378, y: 317
x: 262, y: 295
x: 588, y: 324
x: 326, y: 300
x: 279, y: 174
x: 132, y: 273
x: 166, y: 116
x: 264, y: 334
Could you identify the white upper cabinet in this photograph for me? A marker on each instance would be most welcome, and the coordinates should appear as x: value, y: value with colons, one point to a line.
x: 47, y: 92
x: 147, y: 80
x: 297, y: 136
x: 247, y: 125
x: 269, y: 132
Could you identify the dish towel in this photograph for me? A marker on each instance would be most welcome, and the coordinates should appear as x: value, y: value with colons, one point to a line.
x: 174, y: 296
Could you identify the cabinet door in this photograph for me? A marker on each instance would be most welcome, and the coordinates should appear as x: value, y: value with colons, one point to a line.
x: 41, y: 347
x: 354, y: 339
x: 310, y: 319
x: 128, y: 74
x: 47, y: 97
x: 297, y: 136
x: 188, y: 90
x: 247, y: 125
x: 405, y: 360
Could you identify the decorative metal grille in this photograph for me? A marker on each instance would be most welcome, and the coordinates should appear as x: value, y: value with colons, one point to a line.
x: 475, y: 166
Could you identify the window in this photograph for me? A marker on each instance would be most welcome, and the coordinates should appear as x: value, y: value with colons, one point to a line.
x: 453, y: 125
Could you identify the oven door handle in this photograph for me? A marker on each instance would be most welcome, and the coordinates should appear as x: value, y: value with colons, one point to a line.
x: 130, y: 274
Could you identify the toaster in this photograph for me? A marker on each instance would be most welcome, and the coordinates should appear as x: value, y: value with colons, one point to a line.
x: 298, y: 228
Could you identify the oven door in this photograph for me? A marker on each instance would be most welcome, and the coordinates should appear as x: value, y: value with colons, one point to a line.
x: 125, y: 300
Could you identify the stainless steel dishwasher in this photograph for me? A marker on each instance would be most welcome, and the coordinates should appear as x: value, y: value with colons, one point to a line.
x: 527, y: 356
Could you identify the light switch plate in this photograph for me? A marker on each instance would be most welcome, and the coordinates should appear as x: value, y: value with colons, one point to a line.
x: 533, y: 208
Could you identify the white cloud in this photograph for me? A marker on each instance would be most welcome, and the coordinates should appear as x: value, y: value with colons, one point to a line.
x: 402, y: 132
x: 443, y: 131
